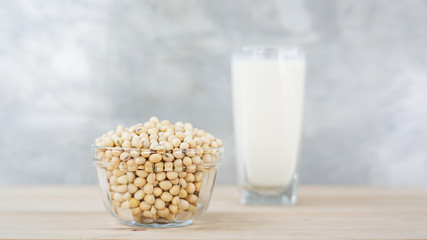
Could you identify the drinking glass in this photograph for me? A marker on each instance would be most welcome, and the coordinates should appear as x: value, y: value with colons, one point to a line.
x: 268, y: 89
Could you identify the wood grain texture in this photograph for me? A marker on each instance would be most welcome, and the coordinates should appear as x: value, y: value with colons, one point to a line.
x: 323, y: 212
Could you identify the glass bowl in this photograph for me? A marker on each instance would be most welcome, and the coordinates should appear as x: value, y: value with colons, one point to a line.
x: 141, y: 189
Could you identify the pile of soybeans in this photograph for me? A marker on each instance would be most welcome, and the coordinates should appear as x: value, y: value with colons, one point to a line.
x: 155, y: 169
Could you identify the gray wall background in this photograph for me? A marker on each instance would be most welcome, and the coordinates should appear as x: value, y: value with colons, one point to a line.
x: 71, y: 70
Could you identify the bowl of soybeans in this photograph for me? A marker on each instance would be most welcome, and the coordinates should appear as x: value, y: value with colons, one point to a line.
x: 157, y: 174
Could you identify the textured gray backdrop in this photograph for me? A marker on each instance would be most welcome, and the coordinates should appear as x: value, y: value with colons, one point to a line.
x: 71, y: 70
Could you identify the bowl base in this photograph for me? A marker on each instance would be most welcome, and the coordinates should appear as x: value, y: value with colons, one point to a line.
x: 158, y: 225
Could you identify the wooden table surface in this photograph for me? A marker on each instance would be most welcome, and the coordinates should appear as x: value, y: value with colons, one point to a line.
x: 323, y: 212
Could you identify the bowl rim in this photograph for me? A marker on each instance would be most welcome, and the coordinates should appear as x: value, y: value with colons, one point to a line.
x: 218, y: 162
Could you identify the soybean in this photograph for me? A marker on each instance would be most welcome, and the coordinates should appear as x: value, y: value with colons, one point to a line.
x: 156, y: 168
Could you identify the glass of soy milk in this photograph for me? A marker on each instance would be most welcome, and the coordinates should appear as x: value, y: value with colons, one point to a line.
x: 268, y: 92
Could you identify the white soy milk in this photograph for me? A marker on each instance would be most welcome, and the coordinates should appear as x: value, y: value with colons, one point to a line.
x: 268, y: 103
